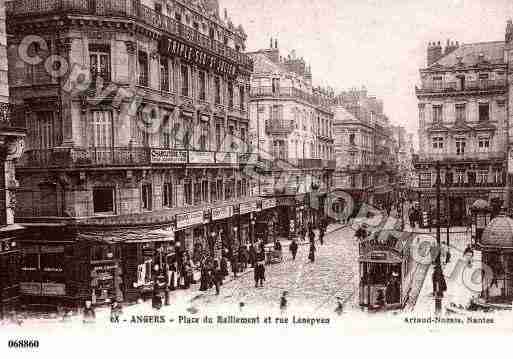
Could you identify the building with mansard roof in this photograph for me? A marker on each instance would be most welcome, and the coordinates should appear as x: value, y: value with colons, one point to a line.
x: 463, y: 102
x: 137, y: 116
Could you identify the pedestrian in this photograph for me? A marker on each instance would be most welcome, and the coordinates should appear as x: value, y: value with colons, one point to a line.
x: 89, y: 313
x: 243, y: 258
x: 311, y: 254
x: 321, y: 235
x: 204, y: 276
x: 277, y: 245
x: 293, y: 249
x: 217, y: 277
x: 411, y: 217
x: 223, y: 268
x: 283, y: 302
x: 340, y: 306
x: 252, y: 255
x: 311, y: 235
x: 235, y: 265
x: 261, y: 276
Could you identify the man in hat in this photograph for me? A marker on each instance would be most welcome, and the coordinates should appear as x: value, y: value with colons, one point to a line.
x: 393, y: 291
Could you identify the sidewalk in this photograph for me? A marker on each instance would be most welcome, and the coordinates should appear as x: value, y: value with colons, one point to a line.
x: 457, y: 276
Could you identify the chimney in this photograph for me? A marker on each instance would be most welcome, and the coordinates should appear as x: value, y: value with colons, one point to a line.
x: 450, y: 47
x: 273, y: 54
x: 509, y: 31
x: 434, y: 53
x: 275, y: 43
x: 271, y: 44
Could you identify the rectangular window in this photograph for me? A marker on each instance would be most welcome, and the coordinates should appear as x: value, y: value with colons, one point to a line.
x: 219, y: 135
x: 184, y: 71
x: 239, y: 188
x: 460, y: 146
x: 437, y: 114
x: 204, y: 191
x: 438, y: 142
x: 164, y: 74
x: 167, y: 195
x: 217, y: 90
x: 45, y: 130
x: 437, y: 83
x: 204, y: 135
x: 102, y: 129
x: 103, y: 200
x: 275, y: 85
x: 99, y: 61
x: 202, y: 86
x: 187, y: 189
x: 484, y: 144
x: 213, y: 192
x: 461, y: 113
x: 219, y: 185
x: 158, y: 8
x: 165, y: 132
x: 144, y: 69
x: 229, y: 189
x: 197, y: 193
x: 230, y: 95
x: 242, y: 98
x: 147, y: 196
x: 352, y: 139
x: 243, y: 139
x: 484, y: 112
x: 143, y: 128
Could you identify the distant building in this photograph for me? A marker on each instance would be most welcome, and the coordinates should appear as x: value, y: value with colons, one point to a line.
x: 463, y: 124
x: 366, y: 150
x: 292, y: 129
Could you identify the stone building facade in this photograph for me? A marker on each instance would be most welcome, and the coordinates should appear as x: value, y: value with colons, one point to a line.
x: 366, y: 150
x: 137, y: 117
x: 11, y: 148
x: 292, y: 130
x: 463, y: 124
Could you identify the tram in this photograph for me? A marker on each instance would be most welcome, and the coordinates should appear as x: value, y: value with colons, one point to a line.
x: 388, y: 263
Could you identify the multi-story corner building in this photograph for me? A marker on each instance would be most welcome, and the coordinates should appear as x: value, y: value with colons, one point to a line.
x: 137, y: 116
x: 11, y: 148
x: 366, y: 150
x: 292, y: 128
x: 463, y: 125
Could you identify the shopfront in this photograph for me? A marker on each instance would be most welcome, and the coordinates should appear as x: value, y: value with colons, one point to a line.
x: 192, y: 232
x: 247, y: 213
x: 219, y: 226
x: 10, y: 256
x: 285, y: 225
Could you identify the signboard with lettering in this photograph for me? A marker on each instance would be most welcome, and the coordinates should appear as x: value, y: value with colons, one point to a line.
x: 226, y: 157
x: 168, y: 156
x: 30, y: 288
x: 53, y: 289
x: 201, y: 157
x: 248, y: 207
x: 189, y: 219
x: 172, y: 47
x: 378, y: 256
x: 222, y: 212
x: 268, y: 203
x: 248, y: 158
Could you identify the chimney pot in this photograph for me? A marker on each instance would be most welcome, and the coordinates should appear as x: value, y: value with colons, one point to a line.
x: 271, y: 46
x: 275, y: 43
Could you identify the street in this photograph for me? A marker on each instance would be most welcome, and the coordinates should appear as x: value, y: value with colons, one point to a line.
x: 314, y: 285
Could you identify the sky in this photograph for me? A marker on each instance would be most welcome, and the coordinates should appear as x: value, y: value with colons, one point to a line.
x: 379, y: 44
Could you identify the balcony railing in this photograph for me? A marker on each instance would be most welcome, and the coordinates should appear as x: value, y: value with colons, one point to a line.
x: 453, y: 86
x: 468, y: 156
x: 289, y: 92
x: 128, y: 156
x: 126, y: 8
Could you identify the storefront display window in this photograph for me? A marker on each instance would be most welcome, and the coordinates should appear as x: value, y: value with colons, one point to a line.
x: 144, y: 273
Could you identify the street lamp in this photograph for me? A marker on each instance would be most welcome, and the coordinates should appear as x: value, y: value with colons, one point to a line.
x: 438, y: 275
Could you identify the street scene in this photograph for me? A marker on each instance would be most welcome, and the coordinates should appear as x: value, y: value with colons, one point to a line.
x: 178, y: 158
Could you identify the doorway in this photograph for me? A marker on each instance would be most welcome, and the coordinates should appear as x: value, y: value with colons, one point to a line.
x: 457, y: 211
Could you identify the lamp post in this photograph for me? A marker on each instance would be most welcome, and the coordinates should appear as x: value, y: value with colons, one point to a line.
x: 438, y: 276
x: 448, y: 210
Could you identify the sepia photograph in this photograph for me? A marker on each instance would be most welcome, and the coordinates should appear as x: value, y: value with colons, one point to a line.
x: 253, y: 167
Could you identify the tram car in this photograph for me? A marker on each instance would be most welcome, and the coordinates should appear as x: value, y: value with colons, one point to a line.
x: 388, y: 263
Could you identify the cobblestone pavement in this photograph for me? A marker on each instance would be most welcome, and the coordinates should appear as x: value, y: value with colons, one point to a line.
x: 311, y: 285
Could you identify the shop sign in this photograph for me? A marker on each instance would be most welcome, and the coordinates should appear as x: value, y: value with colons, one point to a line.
x: 30, y: 288
x: 248, y: 158
x: 378, y: 256
x: 268, y: 203
x: 53, y: 289
x: 105, y: 267
x: 52, y: 249
x: 189, y: 219
x: 168, y: 156
x: 285, y: 201
x: 226, y: 157
x: 222, y: 212
x: 248, y: 207
x: 53, y: 269
x: 172, y: 47
x: 201, y: 157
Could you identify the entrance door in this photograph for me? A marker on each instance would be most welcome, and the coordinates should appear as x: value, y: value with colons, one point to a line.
x: 458, y: 212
